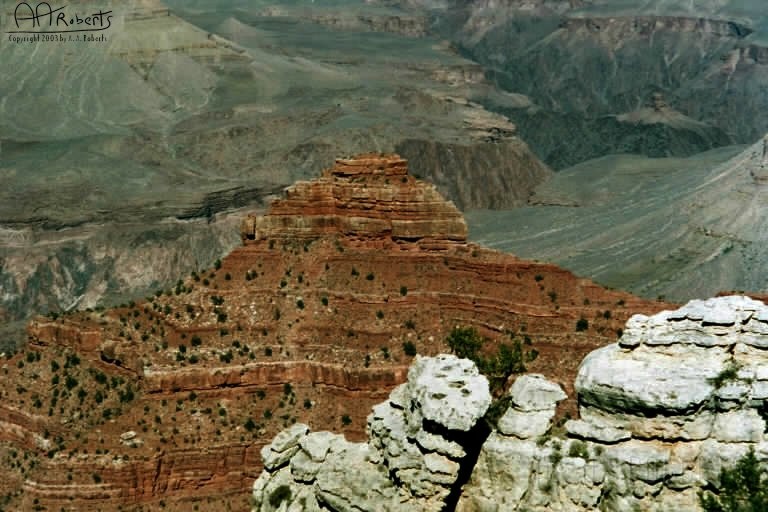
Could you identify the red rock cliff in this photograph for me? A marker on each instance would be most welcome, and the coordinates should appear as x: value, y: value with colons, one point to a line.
x: 168, y: 400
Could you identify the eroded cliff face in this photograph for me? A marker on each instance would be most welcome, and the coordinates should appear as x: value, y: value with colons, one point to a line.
x: 679, y: 397
x: 172, y: 397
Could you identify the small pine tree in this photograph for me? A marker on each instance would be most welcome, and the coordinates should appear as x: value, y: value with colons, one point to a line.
x: 744, y: 488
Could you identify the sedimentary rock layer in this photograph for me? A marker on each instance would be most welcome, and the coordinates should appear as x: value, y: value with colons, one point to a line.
x: 171, y: 398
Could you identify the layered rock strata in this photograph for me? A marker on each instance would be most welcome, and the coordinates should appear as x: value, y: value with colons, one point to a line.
x: 312, y: 322
x: 369, y: 196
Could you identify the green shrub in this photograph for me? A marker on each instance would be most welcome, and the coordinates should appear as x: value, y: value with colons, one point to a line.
x: 70, y: 382
x: 370, y: 276
x: 346, y: 420
x: 729, y: 373
x: 578, y: 449
x: 403, y: 291
x: 743, y: 488
x: 465, y: 342
x: 509, y: 359
x: 409, y: 348
x: 582, y: 324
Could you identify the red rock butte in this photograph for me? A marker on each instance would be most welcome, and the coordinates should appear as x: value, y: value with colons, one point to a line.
x: 167, y: 401
x: 366, y: 196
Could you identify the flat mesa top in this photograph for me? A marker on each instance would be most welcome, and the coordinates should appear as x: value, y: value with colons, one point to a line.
x: 373, y: 163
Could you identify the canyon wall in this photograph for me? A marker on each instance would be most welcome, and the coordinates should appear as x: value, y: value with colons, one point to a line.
x: 313, y: 319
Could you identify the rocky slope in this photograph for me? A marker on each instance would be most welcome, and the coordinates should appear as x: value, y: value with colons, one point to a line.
x: 200, y: 110
x: 169, y: 400
x: 694, y: 223
x: 680, y: 396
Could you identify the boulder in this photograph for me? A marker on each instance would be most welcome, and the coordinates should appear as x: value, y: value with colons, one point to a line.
x: 448, y: 391
x: 533, y: 392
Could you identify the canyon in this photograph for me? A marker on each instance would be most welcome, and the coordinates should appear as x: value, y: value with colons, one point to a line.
x: 202, y: 111
x: 169, y: 400
x: 196, y: 115
x: 237, y: 239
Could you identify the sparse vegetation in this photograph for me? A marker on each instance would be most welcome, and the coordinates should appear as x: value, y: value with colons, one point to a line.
x: 409, y: 348
x: 509, y: 359
x: 743, y: 488
x: 729, y: 373
x: 578, y: 449
x: 582, y: 324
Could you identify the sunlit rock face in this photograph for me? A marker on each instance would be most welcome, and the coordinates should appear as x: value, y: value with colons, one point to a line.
x: 367, y: 196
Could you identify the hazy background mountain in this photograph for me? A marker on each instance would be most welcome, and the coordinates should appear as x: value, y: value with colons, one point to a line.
x: 581, y: 63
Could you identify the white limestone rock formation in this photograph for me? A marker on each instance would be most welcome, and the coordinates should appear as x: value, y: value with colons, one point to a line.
x: 534, y: 400
x: 412, y: 458
x: 680, y: 396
